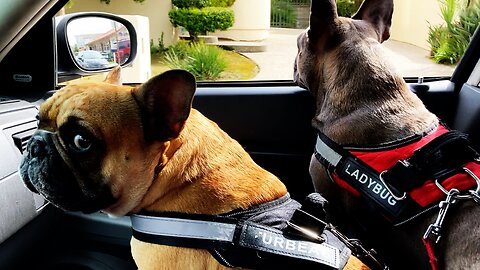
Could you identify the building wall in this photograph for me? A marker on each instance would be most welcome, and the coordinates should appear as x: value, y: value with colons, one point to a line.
x: 252, y: 21
x: 252, y: 17
x: 156, y: 10
x: 411, y: 19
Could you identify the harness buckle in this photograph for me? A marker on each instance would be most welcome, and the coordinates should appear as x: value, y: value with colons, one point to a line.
x: 472, y: 194
x: 306, y: 232
x: 396, y: 197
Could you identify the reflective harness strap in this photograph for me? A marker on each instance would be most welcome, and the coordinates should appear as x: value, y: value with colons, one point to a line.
x: 213, y: 235
x: 275, y: 235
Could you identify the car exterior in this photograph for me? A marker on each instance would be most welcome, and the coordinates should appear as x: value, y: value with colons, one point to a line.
x: 123, y: 51
x: 91, y: 59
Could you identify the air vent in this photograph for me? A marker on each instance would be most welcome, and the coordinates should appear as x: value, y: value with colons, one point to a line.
x: 21, y: 139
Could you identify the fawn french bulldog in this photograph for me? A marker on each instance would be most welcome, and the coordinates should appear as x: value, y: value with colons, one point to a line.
x: 122, y: 149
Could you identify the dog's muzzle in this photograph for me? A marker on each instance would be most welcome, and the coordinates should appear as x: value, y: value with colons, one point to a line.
x: 44, y: 171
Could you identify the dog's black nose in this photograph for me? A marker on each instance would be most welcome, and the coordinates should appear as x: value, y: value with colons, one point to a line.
x: 37, y: 146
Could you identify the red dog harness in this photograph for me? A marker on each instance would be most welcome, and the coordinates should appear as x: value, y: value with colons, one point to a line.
x: 407, y: 177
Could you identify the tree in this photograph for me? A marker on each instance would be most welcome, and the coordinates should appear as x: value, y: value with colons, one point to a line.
x: 201, y: 16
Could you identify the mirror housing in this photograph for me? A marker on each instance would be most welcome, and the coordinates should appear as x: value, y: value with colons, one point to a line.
x: 68, y: 64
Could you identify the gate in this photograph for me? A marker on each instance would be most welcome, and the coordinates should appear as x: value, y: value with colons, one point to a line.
x: 290, y: 13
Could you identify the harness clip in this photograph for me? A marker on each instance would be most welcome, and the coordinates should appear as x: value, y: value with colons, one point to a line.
x: 434, y: 231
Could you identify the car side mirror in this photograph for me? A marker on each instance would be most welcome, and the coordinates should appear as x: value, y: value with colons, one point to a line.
x: 92, y: 42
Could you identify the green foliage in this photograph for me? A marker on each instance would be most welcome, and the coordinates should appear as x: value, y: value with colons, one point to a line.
x: 346, y: 8
x: 181, y: 49
x: 191, y: 3
x: 108, y: 1
x: 205, y: 62
x: 200, y: 21
x: 448, y: 9
x: 436, y: 34
x: 160, y: 48
x: 221, y: 3
x: 449, y: 42
x: 202, y: 16
x: 282, y: 14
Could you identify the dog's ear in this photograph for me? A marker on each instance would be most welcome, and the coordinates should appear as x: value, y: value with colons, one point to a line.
x: 165, y: 101
x: 114, y: 76
x: 379, y: 14
x: 323, y: 16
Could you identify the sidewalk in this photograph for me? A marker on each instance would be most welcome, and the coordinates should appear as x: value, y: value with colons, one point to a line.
x: 276, y: 63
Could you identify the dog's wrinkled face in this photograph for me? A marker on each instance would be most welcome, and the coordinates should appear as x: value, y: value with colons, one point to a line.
x: 100, y: 145
x: 336, y: 50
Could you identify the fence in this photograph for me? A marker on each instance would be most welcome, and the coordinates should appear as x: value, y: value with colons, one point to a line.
x: 290, y: 13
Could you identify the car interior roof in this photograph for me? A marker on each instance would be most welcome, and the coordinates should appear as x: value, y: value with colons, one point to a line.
x: 18, y: 17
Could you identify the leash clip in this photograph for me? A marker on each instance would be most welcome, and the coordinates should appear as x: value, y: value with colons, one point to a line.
x: 434, y: 231
x: 369, y: 257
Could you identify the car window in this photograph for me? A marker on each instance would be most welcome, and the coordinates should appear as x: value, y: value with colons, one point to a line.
x: 243, y: 43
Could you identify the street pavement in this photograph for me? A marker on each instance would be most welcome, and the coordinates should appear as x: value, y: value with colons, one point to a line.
x: 276, y: 63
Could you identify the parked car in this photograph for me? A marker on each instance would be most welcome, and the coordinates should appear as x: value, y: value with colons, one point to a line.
x: 271, y: 119
x: 123, y: 51
x: 90, y: 59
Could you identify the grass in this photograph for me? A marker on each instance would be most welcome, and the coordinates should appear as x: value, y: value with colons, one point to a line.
x: 238, y: 67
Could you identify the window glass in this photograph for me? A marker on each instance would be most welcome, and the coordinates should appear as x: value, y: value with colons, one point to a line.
x: 256, y: 39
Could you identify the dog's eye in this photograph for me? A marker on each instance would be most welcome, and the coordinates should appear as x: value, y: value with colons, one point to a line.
x: 81, y: 143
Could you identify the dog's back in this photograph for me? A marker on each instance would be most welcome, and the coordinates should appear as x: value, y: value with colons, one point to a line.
x: 361, y: 100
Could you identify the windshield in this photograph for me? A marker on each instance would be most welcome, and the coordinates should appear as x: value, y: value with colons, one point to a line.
x: 427, y: 38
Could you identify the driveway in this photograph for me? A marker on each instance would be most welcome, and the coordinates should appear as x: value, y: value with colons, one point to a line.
x: 276, y: 63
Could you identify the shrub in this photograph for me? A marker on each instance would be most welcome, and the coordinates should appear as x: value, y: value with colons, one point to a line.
x: 181, y: 49
x: 436, y: 33
x: 191, y: 3
x: 202, y: 16
x: 200, y: 21
x: 346, y: 8
x: 221, y: 3
x: 160, y: 48
x: 205, y: 62
x: 449, y: 42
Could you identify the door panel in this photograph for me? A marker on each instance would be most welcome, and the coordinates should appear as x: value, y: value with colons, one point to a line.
x: 271, y: 123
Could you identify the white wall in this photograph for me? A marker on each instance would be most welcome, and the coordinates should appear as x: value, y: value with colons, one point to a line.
x: 411, y: 19
x: 252, y: 21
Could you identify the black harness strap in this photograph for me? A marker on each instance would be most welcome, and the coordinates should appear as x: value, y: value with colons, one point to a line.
x: 439, y: 159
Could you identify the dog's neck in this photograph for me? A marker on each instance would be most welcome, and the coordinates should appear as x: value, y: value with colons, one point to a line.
x: 357, y: 108
x: 207, y: 172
